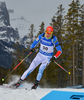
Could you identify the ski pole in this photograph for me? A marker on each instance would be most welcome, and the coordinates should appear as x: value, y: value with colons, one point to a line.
x: 62, y: 68
x: 16, y: 66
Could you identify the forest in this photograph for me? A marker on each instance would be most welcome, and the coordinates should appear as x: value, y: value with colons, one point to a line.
x: 69, y: 29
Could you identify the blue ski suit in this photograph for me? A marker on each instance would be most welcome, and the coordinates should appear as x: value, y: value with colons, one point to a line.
x: 44, y: 55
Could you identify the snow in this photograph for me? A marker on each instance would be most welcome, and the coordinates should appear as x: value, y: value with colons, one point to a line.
x: 8, y: 49
x: 18, y: 21
x: 1, y: 32
x: 23, y: 94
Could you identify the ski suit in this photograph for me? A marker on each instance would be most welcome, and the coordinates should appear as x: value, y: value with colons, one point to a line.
x: 44, y: 55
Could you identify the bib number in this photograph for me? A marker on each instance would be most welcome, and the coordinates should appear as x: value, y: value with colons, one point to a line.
x: 45, y: 48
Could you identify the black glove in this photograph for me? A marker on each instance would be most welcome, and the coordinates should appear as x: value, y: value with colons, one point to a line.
x: 52, y: 59
x: 33, y: 49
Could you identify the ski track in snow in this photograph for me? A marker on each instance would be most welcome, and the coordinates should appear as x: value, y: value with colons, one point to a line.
x: 22, y: 94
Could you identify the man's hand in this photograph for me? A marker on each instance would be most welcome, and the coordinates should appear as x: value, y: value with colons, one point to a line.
x: 33, y: 49
x: 52, y: 59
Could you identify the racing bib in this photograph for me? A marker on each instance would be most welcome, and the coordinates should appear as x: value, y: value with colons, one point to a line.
x: 47, y: 49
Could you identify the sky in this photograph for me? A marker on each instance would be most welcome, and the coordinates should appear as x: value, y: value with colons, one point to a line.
x: 37, y: 11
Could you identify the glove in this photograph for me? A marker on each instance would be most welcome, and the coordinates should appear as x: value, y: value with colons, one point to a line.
x: 33, y: 49
x: 52, y: 59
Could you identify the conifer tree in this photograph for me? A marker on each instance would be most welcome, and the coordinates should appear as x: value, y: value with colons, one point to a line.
x: 82, y: 38
x: 17, y: 56
x: 72, y: 35
x: 31, y: 33
x: 78, y: 38
x: 41, y: 30
x: 57, y: 25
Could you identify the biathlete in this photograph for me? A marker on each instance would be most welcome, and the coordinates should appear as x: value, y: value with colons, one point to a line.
x: 45, y: 55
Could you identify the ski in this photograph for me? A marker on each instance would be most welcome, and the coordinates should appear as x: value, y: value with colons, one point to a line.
x: 5, y: 86
x: 10, y: 87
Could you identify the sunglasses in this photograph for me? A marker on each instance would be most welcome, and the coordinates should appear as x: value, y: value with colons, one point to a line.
x: 48, y: 32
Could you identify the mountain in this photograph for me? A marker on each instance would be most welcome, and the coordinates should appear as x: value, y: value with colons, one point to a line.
x: 19, y: 22
x: 7, y: 33
x: 5, y: 54
x: 25, y: 41
x: 11, y: 25
x: 8, y: 37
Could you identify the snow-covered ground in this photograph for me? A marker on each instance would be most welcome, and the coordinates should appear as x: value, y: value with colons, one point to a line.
x: 27, y: 94
x: 22, y: 94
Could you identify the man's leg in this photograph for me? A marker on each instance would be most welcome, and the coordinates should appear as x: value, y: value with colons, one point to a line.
x: 37, y: 60
x: 40, y: 73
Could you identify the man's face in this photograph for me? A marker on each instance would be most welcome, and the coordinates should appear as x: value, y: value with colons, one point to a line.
x: 48, y: 35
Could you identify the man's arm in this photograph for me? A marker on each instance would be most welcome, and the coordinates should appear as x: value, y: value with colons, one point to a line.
x: 58, y: 47
x: 36, y: 41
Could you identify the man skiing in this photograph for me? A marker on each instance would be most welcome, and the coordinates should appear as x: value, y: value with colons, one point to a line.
x: 44, y: 56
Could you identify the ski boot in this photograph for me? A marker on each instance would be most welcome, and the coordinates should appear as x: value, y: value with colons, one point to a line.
x: 16, y: 85
x: 35, y: 85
